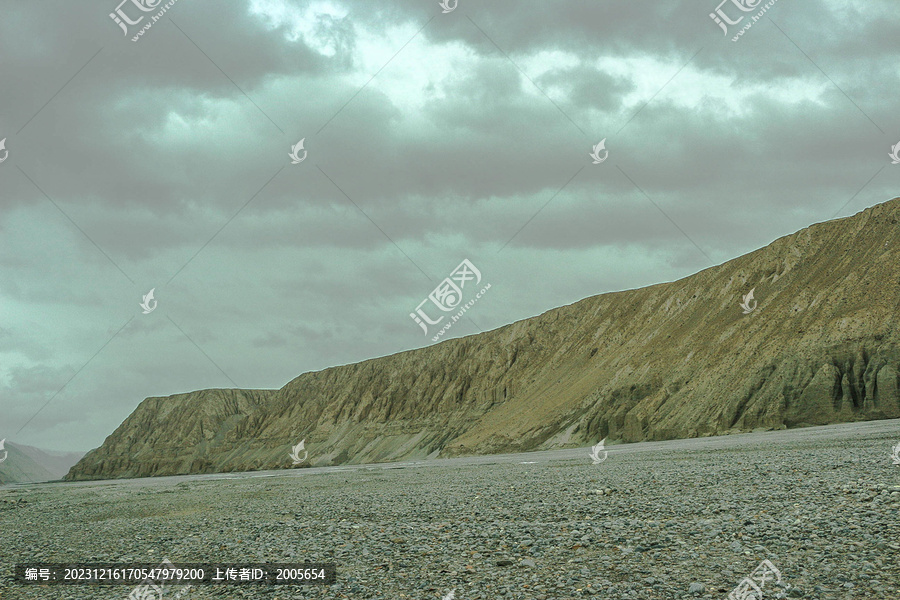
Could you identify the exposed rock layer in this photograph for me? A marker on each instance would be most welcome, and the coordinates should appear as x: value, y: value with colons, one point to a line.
x: 671, y: 360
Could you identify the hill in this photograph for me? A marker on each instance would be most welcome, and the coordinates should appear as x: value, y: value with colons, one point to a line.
x: 673, y: 360
x: 27, y: 464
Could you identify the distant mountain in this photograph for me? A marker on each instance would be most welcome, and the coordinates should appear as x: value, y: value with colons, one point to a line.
x: 672, y: 360
x: 27, y: 464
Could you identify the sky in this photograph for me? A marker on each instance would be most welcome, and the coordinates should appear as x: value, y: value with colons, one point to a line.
x: 169, y: 161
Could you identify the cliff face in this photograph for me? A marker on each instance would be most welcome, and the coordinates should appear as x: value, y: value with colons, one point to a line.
x: 671, y: 360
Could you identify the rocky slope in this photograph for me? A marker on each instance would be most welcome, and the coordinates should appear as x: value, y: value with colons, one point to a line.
x: 671, y: 360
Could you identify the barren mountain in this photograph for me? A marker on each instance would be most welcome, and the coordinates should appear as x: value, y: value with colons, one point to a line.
x: 673, y: 360
x: 27, y: 464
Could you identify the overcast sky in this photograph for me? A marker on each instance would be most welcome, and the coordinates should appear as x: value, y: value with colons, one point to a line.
x: 429, y: 138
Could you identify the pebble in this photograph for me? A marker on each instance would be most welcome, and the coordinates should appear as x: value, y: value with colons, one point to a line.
x: 675, y: 519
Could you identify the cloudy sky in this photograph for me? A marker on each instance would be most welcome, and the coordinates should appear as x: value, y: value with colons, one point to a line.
x: 429, y: 138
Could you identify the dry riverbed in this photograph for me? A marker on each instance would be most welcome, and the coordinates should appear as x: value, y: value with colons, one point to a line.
x: 680, y: 519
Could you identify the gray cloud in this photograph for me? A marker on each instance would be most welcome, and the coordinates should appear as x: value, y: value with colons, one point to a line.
x: 430, y: 137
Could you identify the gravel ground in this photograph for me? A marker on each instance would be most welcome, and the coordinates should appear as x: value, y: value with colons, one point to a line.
x: 680, y: 519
